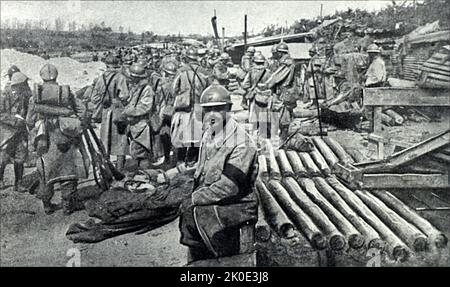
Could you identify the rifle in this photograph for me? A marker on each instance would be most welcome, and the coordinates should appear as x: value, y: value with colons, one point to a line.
x: 103, y: 169
x: 316, y: 98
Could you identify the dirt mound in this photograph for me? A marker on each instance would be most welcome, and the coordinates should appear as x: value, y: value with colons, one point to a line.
x: 71, y: 72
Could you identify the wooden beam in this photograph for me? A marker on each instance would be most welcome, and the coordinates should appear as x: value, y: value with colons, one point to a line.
x: 405, y: 97
x: 405, y: 181
x: 408, y: 154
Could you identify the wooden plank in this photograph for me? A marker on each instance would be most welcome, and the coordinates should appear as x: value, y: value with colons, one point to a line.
x: 405, y: 181
x: 438, y: 76
x: 405, y: 97
x: 430, y: 38
x: 407, y: 155
x: 377, y: 116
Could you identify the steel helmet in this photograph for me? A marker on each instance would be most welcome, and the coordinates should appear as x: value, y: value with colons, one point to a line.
x: 112, y: 60
x: 18, y: 78
x: 251, y: 49
x: 137, y: 71
x: 282, y: 47
x: 259, y: 58
x: 48, y: 72
x: 128, y: 59
x: 274, y: 48
x: 373, y: 48
x: 170, y: 68
x: 13, y: 69
x: 201, y: 52
x: 142, y: 61
x: 192, y: 54
x: 215, y: 95
x: 225, y: 56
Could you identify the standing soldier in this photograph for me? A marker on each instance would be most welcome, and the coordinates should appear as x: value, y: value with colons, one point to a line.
x: 257, y: 98
x: 166, y: 99
x: 224, y: 197
x: 328, y: 70
x: 310, y: 90
x: 110, y: 95
x: 282, y: 83
x: 138, y: 112
x: 247, y: 59
x: 272, y: 62
x: 186, y: 126
x: 14, y: 134
x: 55, y: 113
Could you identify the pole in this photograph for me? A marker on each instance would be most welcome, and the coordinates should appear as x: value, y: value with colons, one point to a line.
x: 321, y: 10
x: 245, y: 32
x: 316, y: 97
x: 223, y: 39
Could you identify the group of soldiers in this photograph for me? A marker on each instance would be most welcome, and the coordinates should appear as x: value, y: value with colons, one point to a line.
x: 169, y: 110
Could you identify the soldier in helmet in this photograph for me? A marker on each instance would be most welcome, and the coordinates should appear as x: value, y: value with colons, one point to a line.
x: 376, y: 73
x: 140, y: 107
x: 110, y: 95
x: 57, y: 116
x: 272, y: 62
x: 14, y: 136
x: 224, y: 195
x: 247, y: 59
x: 165, y: 96
x: 221, y: 73
x: 328, y: 70
x: 258, y: 97
x: 310, y: 93
x: 283, y: 84
x: 186, y: 127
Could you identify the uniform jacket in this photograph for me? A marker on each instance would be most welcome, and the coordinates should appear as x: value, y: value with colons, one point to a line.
x: 376, y: 73
x: 224, y: 194
x: 110, y: 95
x: 138, y: 111
x: 257, y: 74
x: 189, y: 84
x: 13, y: 105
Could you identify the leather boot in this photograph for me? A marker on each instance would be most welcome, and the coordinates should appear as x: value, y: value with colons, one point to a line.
x: 70, y: 200
x: 50, y: 208
x: 70, y: 205
x: 18, y: 174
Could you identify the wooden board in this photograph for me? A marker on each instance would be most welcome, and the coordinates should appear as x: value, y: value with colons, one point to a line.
x: 405, y: 97
x: 405, y: 181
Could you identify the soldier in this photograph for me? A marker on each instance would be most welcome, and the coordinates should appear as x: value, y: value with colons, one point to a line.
x: 55, y: 113
x: 247, y: 59
x: 186, y: 126
x: 376, y: 73
x: 127, y: 60
x: 224, y: 197
x: 259, y: 112
x: 310, y: 91
x: 220, y: 73
x: 141, y: 106
x: 328, y: 70
x: 14, y: 135
x: 272, y: 62
x: 282, y: 83
x: 110, y: 95
x: 166, y: 99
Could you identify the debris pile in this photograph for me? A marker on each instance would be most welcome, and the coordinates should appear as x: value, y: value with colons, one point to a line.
x: 299, y: 192
x: 71, y: 72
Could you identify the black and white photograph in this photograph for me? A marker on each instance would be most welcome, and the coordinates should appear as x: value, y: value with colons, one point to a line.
x: 229, y: 134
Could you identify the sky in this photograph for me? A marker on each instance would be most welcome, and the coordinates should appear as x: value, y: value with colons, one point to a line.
x: 173, y: 17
